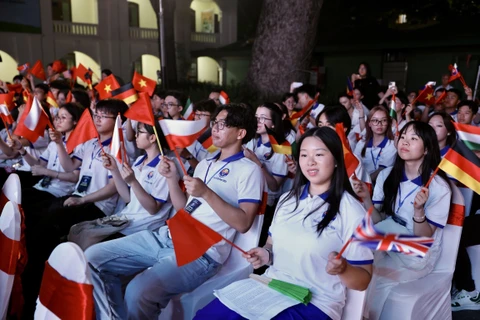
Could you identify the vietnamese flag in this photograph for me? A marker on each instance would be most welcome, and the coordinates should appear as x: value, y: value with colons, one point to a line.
x: 181, y: 134
x: 84, y: 131
x: 191, y: 238
x: 441, y: 98
x: 51, y: 100
x: 69, y: 97
x: 461, y: 163
x: 83, y: 73
x: 141, y: 110
x: 38, y: 71
x: 7, y: 99
x: 33, y: 122
x: 106, y: 86
x: 58, y: 66
x: 427, y: 95
x: 351, y: 162
x: 279, y: 144
x: 15, y: 88
x: 143, y: 84
x: 126, y: 93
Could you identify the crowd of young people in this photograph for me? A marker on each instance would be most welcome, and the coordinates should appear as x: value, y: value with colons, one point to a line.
x: 312, y: 209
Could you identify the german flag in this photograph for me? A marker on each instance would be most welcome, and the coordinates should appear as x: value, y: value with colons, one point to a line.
x: 351, y: 162
x: 51, y: 99
x: 462, y: 164
x: 127, y: 93
x: 206, y: 141
x: 279, y: 144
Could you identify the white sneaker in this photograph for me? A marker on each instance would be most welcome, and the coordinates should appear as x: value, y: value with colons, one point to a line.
x: 466, y: 301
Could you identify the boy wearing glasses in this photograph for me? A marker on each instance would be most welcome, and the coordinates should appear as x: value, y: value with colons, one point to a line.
x: 224, y: 194
x: 174, y: 103
x: 95, y: 195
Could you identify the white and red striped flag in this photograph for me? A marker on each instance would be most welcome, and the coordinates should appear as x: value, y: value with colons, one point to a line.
x: 181, y: 134
x: 5, y: 114
x: 117, y: 146
x: 33, y: 122
x: 224, y: 99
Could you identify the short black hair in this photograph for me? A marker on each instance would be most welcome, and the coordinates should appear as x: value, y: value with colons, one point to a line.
x: 81, y: 96
x: 161, y: 136
x: 42, y: 86
x: 337, y: 114
x: 309, y: 89
x: 362, y: 92
x: 207, y: 105
x: 456, y: 91
x: 179, y: 96
x: 470, y: 104
x: 107, y: 71
x: 239, y: 116
x: 112, y: 106
x: 159, y: 92
x: 17, y: 77
x: 74, y: 109
x: 288, y: 95
x: 402, y: 97
x: 59, y: 84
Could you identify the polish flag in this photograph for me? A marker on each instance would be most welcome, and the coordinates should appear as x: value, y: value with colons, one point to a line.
x: 5, y: 114
x: 117, y: 147
x: 33, y: 122
x: 181, y: 134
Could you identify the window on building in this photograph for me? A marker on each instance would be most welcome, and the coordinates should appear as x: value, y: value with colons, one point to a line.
x: 62, y: 10
x: 216, y: 23
x: 402, y: 18
x: 133, y: 15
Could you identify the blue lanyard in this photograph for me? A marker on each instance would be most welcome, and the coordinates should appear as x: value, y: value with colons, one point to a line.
x: 375, y: 160
x: 94, y: 155
x: 208, y: 169
x: 400, y: 201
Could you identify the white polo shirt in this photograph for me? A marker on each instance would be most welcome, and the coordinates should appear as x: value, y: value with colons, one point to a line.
x: 275, y: 165
x: 199, y: 152
x: 57, y: 187
x: 300, y: 255
x: 436, y: 207
x: 381, y: 156
x: 236, y: 179
x: 92, y: 166
x: 155, y: 185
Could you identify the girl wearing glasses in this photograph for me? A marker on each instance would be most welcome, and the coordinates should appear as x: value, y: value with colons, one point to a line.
x: 55, y: 182
x: 377, y: 151
x: 403, y: 205
x: 274, y: 165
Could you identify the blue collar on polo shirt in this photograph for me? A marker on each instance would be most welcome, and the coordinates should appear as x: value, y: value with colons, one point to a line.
x: 259, y: 143
x: 304, y: 194
x: 381, y: 145
x: 107, y: 142
x: 235, y: 157
x: 417, y: 180
x: 453, y: 113
x: 152, y: 163
x: 444, y: 151
x: 315, y: 105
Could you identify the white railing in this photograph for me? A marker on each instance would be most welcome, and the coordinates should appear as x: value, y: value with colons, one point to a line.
x: 81, y: 29
x: 205, y: 37
x: 144, y: 34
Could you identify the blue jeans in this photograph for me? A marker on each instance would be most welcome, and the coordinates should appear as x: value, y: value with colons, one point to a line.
x: 150, y: 258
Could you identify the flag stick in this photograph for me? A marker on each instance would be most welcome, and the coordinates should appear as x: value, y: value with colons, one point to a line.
x: 431, y: 177
x: 158, y: 142
x: 234, y: 245
x: 339, y: 255
x: 6, y: 128
x: 180, y: 160
x: 463, y: 81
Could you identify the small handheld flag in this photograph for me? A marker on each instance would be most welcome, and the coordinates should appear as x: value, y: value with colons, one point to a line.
x: 143, y: 84
x: 106, y: 86
x: 279, y: 144
x: 38, y: 71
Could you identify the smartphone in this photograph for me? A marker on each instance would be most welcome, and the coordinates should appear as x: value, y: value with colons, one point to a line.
x: 391, y: 84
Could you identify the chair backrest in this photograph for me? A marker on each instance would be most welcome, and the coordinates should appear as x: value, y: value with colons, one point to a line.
x: 246, y: 241
x: 451, y: 233
x: 70, y: 262
x: 467, y: 197
x: 12, y: 188
x: 10, y: 233
x: 354, y: 305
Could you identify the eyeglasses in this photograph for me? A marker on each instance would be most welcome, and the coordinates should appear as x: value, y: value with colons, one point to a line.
x: 220, y: 124
x: 262, y: 119
x: 101, y: 117
x: 376, y: 122
x: 140, y: 132
x: 169, y: 105
x: 200, y: 115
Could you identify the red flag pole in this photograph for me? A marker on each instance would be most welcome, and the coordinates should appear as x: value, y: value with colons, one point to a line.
x: 6, y: 128
x: 431, y: 177
x: 234, y: 245
x: 179, y: 160
x: 339, y: 255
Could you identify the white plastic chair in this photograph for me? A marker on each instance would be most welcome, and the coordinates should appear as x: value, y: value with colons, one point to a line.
x: 429, y: 298
x: 68, y: 259
x: 467, y: 197
x: 474, y: 254
x: 354, y: 305
x: 12, y: 188
x: 10, y: 221
x: 235, y: 268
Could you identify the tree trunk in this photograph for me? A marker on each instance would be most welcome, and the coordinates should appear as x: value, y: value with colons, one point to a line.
x: 283, y: 45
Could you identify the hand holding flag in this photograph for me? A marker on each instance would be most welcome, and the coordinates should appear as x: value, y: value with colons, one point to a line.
x: 33, y: 121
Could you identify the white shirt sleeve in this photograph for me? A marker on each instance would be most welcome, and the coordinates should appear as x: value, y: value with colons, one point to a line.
x: 250, y: 185
x: 438, y: 204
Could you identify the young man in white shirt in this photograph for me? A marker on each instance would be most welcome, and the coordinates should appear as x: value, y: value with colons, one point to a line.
x: 225, y: 193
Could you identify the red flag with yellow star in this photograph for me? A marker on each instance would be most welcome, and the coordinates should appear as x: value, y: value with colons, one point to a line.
x: 143, y: 84
x: 106, y: 86
x: 427, y: 95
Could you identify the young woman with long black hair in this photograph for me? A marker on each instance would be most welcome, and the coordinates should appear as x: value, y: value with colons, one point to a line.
x: 311, y: 224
